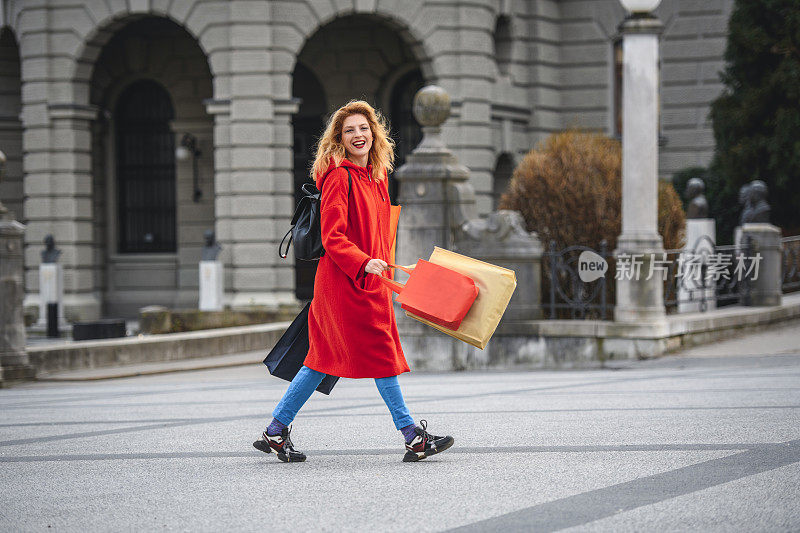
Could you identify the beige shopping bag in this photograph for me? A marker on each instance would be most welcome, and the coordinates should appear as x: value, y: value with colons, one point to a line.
x: 495, y: 287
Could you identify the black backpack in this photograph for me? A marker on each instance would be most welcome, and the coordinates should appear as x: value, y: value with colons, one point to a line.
x: 306, y: 231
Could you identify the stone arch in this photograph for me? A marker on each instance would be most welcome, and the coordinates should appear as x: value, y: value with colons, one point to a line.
x: 100, y: 24
x: 131, y: 55
x: 402, y: 18
x: 381, y: 50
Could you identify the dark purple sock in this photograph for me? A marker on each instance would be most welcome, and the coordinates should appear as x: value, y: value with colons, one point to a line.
x: 409, y: 433
x: 275, y: 427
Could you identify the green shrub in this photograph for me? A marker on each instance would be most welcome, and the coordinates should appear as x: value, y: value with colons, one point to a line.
x: 757, y: 117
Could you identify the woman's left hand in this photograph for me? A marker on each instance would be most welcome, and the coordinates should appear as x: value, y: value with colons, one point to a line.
x: 376, y: 266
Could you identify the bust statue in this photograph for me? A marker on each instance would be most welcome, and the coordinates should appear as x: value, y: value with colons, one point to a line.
x: 744, y: 201
x: 50, y: 253
x: 698, y: 205
x: 759, y: 208
x: 211, y: 247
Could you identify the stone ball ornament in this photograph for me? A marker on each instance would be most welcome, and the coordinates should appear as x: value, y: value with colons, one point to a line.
x: 431, y: 106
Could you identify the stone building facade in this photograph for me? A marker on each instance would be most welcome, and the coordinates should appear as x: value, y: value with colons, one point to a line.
x: 96, y: 96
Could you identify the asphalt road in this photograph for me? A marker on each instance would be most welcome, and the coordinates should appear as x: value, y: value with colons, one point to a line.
x: 707, y: 441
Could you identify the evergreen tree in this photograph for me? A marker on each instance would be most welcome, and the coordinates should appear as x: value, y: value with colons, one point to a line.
x: 757, y: 118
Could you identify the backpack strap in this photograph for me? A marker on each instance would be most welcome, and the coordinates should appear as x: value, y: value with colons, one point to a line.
x: 280, y: 246
x: 349, y: 181
x: 349, y: 178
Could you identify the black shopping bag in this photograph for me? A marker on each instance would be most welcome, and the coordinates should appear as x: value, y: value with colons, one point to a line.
x: 286, y: 358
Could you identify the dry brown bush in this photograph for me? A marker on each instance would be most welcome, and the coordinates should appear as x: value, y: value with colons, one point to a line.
x: 568, y: 189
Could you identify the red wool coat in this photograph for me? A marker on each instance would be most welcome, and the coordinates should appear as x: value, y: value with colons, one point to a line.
x: 352, y: 331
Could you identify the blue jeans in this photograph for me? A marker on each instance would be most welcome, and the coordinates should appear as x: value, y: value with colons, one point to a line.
x: 307, y: 380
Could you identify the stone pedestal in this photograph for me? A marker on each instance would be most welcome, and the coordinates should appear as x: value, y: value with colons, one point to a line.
x: 14, y: 362
x: 51, y: 291
x: 501, y: 239
x: 640, y: 299
x: 434, y: 188
x: 765, y: 287
x: 211, y: 286
x: 436, y: 199
x: 701, y: 236
x: 439, y: 210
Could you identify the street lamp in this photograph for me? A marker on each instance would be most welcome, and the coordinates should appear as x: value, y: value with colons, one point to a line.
x: 188, y: 148
x: 640, y: 299
x: 640, y: 6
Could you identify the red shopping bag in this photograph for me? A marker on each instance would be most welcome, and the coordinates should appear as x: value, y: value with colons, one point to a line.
x: 435, y: 293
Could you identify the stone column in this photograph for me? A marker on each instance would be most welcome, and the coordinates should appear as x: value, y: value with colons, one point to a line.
x: 223, y: 223
x: 191, y: 215
x: 640, y: 299
x: 765, y: 286
x: 14, y: 362
x: 434, y: 188
x: 58, y: 190
x: 436, y: 196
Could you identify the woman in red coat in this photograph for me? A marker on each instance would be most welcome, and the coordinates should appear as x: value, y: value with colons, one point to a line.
x: 351, y: 326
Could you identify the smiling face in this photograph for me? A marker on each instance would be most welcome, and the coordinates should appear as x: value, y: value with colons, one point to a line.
x: 357, y: 138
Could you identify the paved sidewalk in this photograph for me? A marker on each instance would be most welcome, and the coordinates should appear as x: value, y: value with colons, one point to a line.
x: 675, y: 444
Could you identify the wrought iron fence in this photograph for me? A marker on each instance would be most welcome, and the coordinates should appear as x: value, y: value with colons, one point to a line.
x: 699, y: 278
x: 791, y: 264
x: 708, y: 275
x: 569, y: 295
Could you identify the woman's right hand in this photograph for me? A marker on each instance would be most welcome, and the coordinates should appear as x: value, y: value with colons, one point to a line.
x: 376, y: 266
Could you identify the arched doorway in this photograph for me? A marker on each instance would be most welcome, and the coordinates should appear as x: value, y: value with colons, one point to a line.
x: 149, y: 222
x: 353, y: 57
x: 307, y: 125
x: 145, y: 170
x: 11, y: 184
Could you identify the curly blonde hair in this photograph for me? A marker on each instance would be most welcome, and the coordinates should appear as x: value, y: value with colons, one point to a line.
x: 381, y: 155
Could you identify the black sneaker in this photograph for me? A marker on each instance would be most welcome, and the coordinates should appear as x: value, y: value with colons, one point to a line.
x: 425, y: 444
x: 281, y: 445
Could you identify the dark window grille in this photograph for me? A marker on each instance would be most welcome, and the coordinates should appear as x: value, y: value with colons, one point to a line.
x: 145, y: 170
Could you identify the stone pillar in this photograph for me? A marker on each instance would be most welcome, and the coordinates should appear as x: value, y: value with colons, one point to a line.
x: 765, y: 285
x: 51, y: 291
x: 640, y: 299
x: 190, y: 213
x: 439, y: 210
x: 14, y: 362
x: 701, y: 235
x: 436, y: 196
x: 211, y: 287
x: 58, y: 190
x: 223, y: 221
x: 434, y: 188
